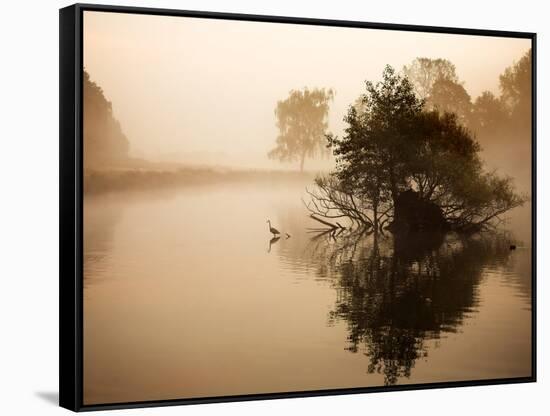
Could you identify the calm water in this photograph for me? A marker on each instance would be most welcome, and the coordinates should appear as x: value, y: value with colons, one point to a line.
x: 186, y: 296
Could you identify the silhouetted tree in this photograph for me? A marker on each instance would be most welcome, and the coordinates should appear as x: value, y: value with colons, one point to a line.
x: 443, y: 151
x: 502, y: 123
x: 372, y: 155
x: 104, y: 142
x: 391, y: 145
x: 489, y: 114
x: 332, y: 199
x: 436, y: 82
x: 302, y: 120
x: 450, y: 97
x: 515, y: 87
x: 424, y: 72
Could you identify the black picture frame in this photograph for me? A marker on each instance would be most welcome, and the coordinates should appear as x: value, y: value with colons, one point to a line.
x: 71, y: 203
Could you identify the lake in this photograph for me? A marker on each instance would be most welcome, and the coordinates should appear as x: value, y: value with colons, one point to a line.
x: 187, y: 295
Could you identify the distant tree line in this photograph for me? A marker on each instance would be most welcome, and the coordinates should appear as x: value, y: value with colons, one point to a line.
x: 490, y: 117
x: 105, y: 144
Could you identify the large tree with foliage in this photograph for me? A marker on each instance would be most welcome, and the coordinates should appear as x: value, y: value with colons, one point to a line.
x: 448, y: 171
x: 302, y: 120
x: 392, y: 145
x: 372, y: 155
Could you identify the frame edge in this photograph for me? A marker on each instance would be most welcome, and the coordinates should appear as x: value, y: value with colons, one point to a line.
x: 70, y: 375
x: 71, y: 209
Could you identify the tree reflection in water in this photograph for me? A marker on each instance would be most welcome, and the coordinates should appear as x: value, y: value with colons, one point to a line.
x: 396, y: 293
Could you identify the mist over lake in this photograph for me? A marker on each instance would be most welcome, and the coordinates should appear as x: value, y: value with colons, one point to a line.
x: 185, y: 296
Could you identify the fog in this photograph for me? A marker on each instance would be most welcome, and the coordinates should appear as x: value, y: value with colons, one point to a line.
x: 204, y: 91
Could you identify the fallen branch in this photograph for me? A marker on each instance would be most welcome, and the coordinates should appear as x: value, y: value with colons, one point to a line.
x: 328, y: 224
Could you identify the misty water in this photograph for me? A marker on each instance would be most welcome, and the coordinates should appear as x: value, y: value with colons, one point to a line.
x: 187, y: 295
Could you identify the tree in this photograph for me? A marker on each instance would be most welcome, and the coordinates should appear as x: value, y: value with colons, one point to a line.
x: 104, y: 141
x: 502, y: 123
x: 451, y: 97
x: 333, y: 200
x: 489, y: 113
x: 371, y: 157
x: 424, y: 72
x: 443, y: 151
x: 436, y: 82
x: 448, y: 171
x: 394, y: 147
x: 302, y: 120
x: 479, y: 199
x: 515, y: 87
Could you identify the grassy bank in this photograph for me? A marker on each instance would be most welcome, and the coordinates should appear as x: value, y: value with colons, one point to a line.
x: 116, y: 180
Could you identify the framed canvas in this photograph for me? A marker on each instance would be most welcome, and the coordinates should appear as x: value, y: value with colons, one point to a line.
x: 257, y: 207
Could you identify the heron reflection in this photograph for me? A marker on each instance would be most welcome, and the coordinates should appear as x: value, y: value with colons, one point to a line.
x: 271, y: 242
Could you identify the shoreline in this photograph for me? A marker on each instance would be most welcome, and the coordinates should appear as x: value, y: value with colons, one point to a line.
x: 124, y: 179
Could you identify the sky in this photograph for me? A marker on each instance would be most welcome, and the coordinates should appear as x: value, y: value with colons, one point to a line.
x: 204, y: 91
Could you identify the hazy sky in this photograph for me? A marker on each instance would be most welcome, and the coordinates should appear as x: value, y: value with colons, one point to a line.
x: 205, y: 90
